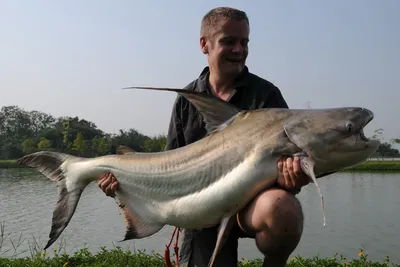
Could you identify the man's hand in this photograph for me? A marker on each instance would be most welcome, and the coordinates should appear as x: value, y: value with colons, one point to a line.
x: 291, y: 177
x: 108, y: 184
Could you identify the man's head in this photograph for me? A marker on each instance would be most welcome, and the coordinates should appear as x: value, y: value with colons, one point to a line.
x: 224, y: 37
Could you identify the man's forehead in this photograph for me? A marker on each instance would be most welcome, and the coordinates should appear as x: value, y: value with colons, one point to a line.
x: 231, y: 28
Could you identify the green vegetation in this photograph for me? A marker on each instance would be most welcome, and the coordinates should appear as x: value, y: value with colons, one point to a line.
x: 23, y: 132
x: 377, y: 166
x: 8, y: 164
x: 118, y: 257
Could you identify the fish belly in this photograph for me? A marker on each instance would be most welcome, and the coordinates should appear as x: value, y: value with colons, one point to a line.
x: 225, y: 197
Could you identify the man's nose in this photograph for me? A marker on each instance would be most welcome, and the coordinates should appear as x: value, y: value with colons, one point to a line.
x: 237, y: 47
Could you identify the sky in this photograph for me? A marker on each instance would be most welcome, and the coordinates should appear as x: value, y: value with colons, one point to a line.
x: 71, y: 58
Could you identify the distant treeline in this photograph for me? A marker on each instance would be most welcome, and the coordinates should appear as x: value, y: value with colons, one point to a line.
x: 23, y: 132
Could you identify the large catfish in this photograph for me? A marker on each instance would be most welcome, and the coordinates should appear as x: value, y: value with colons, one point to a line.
x: 207, y: 182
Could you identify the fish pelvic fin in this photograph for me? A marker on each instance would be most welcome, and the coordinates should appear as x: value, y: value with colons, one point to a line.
x: 136, y: 226
x: 51, y: 164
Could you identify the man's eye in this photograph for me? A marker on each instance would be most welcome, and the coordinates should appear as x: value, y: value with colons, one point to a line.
x: 228, y: 42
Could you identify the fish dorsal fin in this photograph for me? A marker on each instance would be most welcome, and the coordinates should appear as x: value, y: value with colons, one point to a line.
x: 216, y: 112
x: 122, y: 150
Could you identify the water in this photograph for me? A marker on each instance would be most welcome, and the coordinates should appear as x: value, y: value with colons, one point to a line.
x: 363, y: 211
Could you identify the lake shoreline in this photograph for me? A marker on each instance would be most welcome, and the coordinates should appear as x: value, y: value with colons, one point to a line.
x: 367, y: 166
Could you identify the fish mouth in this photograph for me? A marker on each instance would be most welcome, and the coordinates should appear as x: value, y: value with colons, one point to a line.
x: 361, y: 133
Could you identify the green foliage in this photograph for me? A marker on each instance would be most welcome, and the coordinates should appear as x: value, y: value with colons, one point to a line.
x: 118, y: 257
x: 378, y: 165
x: 80, y: 144
x: 385, y: 149
x: 23, y: 132
x: 44, y: 144
x: 155, y: 144
x: 103, y: 146
x: 28, y: 146
x: 10, y: 163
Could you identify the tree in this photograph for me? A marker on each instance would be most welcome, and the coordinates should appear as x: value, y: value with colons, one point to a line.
x: 44, y: 144
x: 378, y: 134
x: 155, y: 144
x: 80, y: 144
x: 23, y: 132
x: 104, y: 146
x: 28, y: 146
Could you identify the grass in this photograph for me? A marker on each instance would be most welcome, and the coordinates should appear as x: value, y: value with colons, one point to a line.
x: 118, y: 257
x: 10, y: 163
x: 378, y: 166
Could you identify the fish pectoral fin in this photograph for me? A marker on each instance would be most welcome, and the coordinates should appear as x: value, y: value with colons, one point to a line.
x: 137, y: 227
x: 307, y: 165
x: 223, y: 233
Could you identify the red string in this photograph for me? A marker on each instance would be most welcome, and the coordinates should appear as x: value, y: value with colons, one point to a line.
x: 176, y: 249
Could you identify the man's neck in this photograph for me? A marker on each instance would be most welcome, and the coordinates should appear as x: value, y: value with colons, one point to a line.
x: 221, y: 86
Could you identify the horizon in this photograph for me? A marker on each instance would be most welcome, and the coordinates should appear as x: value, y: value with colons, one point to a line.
x: 73, y: 59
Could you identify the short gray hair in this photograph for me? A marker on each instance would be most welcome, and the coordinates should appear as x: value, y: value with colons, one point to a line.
x: 211, y: 19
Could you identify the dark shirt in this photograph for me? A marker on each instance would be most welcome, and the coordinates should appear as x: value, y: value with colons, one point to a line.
x: 187, y: 126
x: 251, y: 92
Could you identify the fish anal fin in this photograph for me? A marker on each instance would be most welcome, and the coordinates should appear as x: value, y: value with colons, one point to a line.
x: 223, y: 233
x: 122, y: 150
x: 136, y: 227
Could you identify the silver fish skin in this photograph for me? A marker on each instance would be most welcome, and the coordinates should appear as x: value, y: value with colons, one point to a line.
x: 208, y: 182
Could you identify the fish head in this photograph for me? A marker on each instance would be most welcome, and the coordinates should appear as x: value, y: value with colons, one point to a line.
x: 333, y: 138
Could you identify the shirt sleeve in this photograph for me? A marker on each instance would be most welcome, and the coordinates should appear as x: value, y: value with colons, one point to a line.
x: 175, y: 137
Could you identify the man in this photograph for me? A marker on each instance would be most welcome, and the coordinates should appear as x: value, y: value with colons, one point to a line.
x: 275, y: 217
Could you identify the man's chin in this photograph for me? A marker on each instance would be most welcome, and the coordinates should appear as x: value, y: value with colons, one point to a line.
x: 234, y: 70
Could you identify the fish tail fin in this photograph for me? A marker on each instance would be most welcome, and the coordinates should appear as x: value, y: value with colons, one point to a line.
x: 54, y: 165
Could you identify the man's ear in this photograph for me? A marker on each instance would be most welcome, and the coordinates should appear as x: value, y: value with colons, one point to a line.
x: 203, y: 45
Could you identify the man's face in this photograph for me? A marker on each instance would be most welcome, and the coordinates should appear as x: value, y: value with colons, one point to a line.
x: 227, y: 48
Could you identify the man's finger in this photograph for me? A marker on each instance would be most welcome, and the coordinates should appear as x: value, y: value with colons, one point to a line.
x: 289, y: 182
x: 114, y: 186
x: 104, y: 183
x: 280, y: 165
x: 293, y: 175
x: 296, y: 166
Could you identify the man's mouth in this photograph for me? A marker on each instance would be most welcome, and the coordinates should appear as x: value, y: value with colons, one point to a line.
x: 234, y: 60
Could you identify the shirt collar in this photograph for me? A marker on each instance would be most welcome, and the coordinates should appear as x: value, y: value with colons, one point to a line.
x: 203, y: 81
